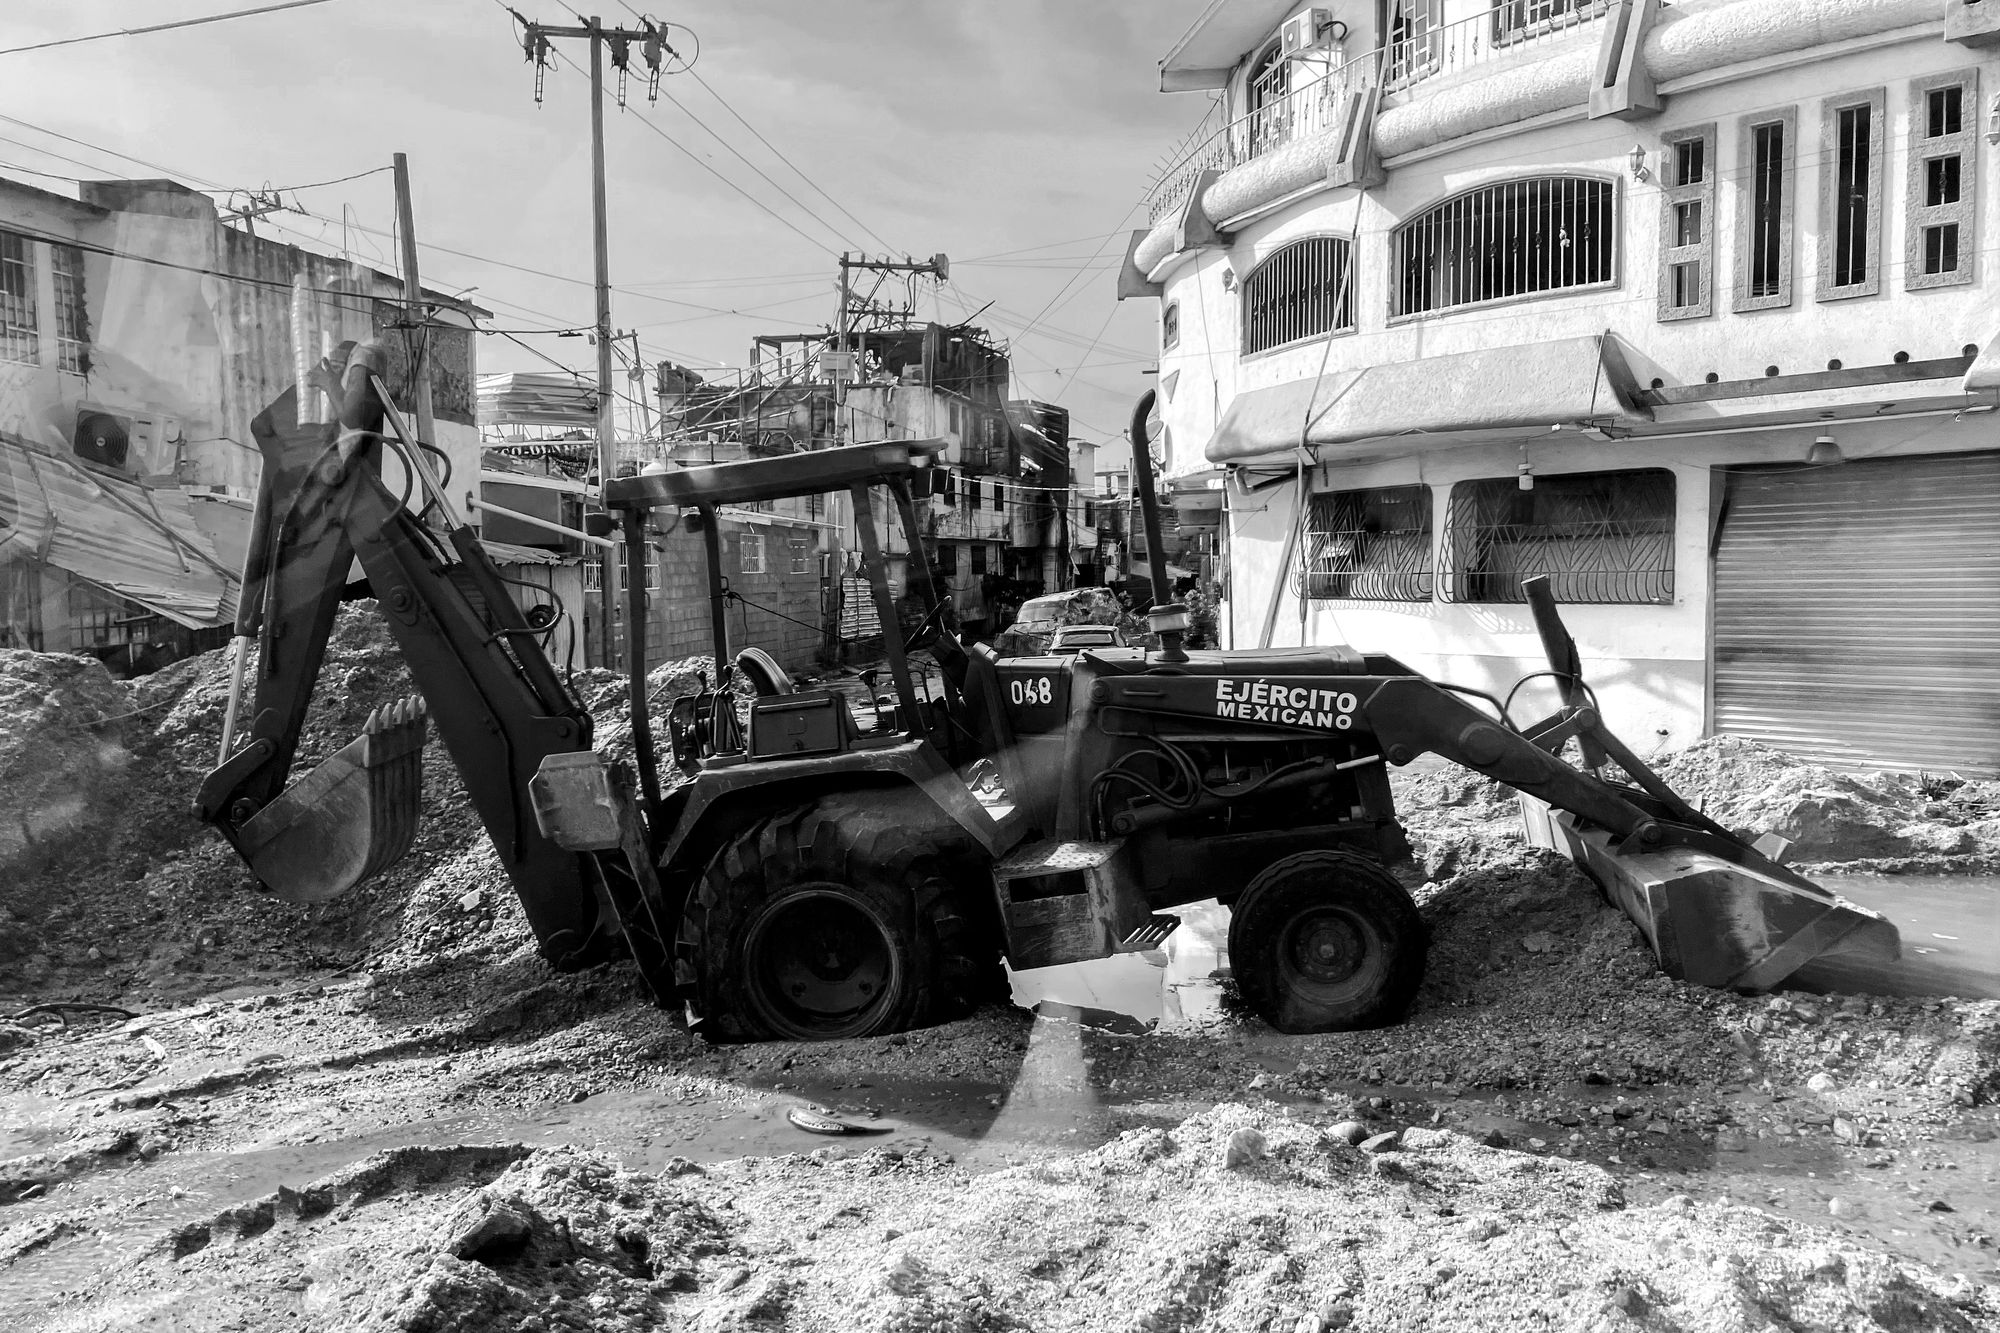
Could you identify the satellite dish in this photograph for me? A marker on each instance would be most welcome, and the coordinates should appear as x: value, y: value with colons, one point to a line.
x: 942, y: 267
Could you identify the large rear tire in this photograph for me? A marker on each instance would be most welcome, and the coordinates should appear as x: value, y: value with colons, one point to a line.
x: 854, y: 915
x: 1326, y: 941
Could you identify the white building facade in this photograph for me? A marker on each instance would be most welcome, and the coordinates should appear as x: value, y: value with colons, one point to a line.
x: 1689, y: 308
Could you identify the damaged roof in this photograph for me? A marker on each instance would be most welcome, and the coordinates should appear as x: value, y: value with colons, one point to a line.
x: 138, y: 542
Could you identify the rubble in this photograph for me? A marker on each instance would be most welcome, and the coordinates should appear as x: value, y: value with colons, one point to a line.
x: 1125, y: 1236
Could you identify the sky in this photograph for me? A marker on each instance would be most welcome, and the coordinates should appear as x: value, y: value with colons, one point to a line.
x: 1016, y: 138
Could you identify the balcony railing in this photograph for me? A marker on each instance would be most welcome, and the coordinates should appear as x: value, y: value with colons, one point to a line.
x: 1511, y: 25
x: 1311, y: 105
x: 1294, y: 102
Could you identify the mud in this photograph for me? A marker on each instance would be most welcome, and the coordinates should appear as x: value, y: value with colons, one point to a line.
x: 387, y: 1112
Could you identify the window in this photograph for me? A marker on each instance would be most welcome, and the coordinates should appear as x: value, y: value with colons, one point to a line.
x: 1298, y: 291
x: 750, y: 553
x: 1516, y: 19
x: 1943, y: 173
x: 951, y: 411
x: 1414, y: 32
x: 1850, y: 201
x: 947, y: 489
x: 1371, y: 545
x: 1170, y: 325
x: 999, y: 497
x: 945, y: 558
x: 1266, y: 105
x: 979, y: 557
x: 801, y: 548
x: 19, y: 340
x: 593, y: 573
x: 1599, y: 536
x: 100, y: 620
x: 1768, y: 155
x: 1687, y: 223
x: 651, y: 565
x: 72, y: 317
x: 972, y: 492
x: 1519, y: 238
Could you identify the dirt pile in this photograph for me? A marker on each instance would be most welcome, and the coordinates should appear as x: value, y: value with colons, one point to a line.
x: 1873, y: 821
x: 62, y: 721
x: 1421, y: 1229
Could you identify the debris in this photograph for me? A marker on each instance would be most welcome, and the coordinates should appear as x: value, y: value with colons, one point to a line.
x: 1244, y: 1146
x: 819, y: 1120
x: 1349, y: 1132
x: 1381, y: 1143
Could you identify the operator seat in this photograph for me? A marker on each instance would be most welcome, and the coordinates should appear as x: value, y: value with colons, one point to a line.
x: 764, y: 674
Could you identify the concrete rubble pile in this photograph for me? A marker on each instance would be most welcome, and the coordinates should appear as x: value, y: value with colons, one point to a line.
x: 1158, y: 1229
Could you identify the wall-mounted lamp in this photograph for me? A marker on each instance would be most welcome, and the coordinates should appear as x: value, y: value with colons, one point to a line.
x: 1825, y: 452
x: 1228, y: 278
x: 1637, y: 157
x: 1525, y: 474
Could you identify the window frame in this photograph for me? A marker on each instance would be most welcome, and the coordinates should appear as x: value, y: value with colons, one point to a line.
x: 1614, y: 279
x: 1343, y: 290
x: 1170, y: 326
x: 1463, y: 542
x: 1675, y: 196
x: 1924, y: 149
x: 1876, y: 100
x: 72, y: 311
x: 1745, y: 298
x: 1576, y: 15
x: 747, y: 542
x: 20, y: 312
x: 1314, y: 582
x: 801, y: 553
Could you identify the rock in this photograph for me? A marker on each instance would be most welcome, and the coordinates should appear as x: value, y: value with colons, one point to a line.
x: 1349, y: 1132
x: 487, y: 1229
x: 1259, y: 1083
x: 1627, y: 1300
x: 1539, y: 942
x: 1939, y: 1206
x: 904, y: 1274
x: 1839, y: 1207
x: 1493, y: 1138
x: 471, y: 901
x: 1484, y: 1228
x: 1821, y: 1082
x: 1845, y: 1130
x: 1381, y: 1143
x: 1333, y: 1314
x: 1245, y: 1145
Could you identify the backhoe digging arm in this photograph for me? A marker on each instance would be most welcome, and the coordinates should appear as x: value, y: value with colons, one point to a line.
x: 498, y: 704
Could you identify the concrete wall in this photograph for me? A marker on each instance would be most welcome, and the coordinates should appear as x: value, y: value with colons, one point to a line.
x: 678, y: 621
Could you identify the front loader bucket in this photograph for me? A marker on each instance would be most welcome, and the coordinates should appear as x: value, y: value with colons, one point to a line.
x: 352, y: 817
x: 1718, y: 923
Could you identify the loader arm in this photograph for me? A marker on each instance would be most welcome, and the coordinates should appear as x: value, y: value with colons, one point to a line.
x: 498, y: 704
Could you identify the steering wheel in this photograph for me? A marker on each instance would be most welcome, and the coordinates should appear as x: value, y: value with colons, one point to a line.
x: 928, y: 627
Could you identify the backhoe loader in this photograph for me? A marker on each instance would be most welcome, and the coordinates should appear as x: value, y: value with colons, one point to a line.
x: 795, y: 869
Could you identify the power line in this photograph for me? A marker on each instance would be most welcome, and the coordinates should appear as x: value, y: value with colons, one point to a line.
x: 165, y: 27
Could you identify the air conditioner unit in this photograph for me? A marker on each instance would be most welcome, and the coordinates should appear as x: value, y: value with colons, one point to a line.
x: 121, y: 439
x: 1301, y: 32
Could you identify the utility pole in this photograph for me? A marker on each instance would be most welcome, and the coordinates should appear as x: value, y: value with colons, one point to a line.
x: 652, y: 41
x: 418, y: 316
x: 651, y: 38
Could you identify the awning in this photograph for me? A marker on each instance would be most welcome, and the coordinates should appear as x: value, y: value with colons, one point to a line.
x: 507, y: 553
x: 132, y: 540
x: 1568, y: 382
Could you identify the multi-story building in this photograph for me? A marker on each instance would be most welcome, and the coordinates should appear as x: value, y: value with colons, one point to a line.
x: 1689, y: 308
x: 139, y: 336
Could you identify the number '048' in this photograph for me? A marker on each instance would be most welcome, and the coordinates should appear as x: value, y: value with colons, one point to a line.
x: 1040, y: 690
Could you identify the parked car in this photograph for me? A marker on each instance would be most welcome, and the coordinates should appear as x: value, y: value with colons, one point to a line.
x: 1070, y: 638
x: 1040, y: 617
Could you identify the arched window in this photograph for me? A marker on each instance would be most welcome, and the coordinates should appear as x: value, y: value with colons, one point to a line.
x: 1266, y: 107
x: 1518, y: 238
x: 1299, y: 291
x: 1170, y: 325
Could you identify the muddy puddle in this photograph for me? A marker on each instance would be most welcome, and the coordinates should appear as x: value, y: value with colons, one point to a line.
x: 1951, y: 938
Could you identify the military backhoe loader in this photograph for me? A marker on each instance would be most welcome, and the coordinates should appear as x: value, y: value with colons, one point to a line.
x: 798, y: 869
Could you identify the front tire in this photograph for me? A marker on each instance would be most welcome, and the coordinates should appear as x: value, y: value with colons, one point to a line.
x: 1326, y: 941
x: 854, y: 915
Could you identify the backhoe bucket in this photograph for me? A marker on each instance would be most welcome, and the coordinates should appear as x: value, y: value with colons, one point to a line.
x: 352, y: 817
x: 1714, y: 922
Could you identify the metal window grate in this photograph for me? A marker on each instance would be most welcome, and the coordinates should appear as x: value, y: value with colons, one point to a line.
x: 1549, y: 233
x: 1687, y: 239
x: 1766, y: 205
x: 18, y: 338
x: 1851, y: 186
x: 1602, y: 537
x: 1943, y: 167
x: 801, y: 549
x: 1297, y: 292
x: 1370, y: 545
x: 1517, y: 18
x: 72, y: 316
x: 750, y: 553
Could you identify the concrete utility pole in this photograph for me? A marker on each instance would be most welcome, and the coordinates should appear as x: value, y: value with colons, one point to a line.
x: 652, y: 41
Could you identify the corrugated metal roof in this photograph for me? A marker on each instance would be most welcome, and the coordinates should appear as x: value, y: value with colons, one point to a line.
x: 507, y: 553
x: 140, y: 543
x: 527, y: 399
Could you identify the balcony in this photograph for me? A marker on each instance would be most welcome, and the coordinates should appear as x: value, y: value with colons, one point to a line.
x: 1432, y: 50
x: 1289, y: 105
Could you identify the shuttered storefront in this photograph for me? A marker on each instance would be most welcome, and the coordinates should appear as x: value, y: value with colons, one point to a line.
x: 1857, y: 613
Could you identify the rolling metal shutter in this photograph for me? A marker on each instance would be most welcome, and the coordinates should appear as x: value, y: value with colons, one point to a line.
x: 1857, y: 613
